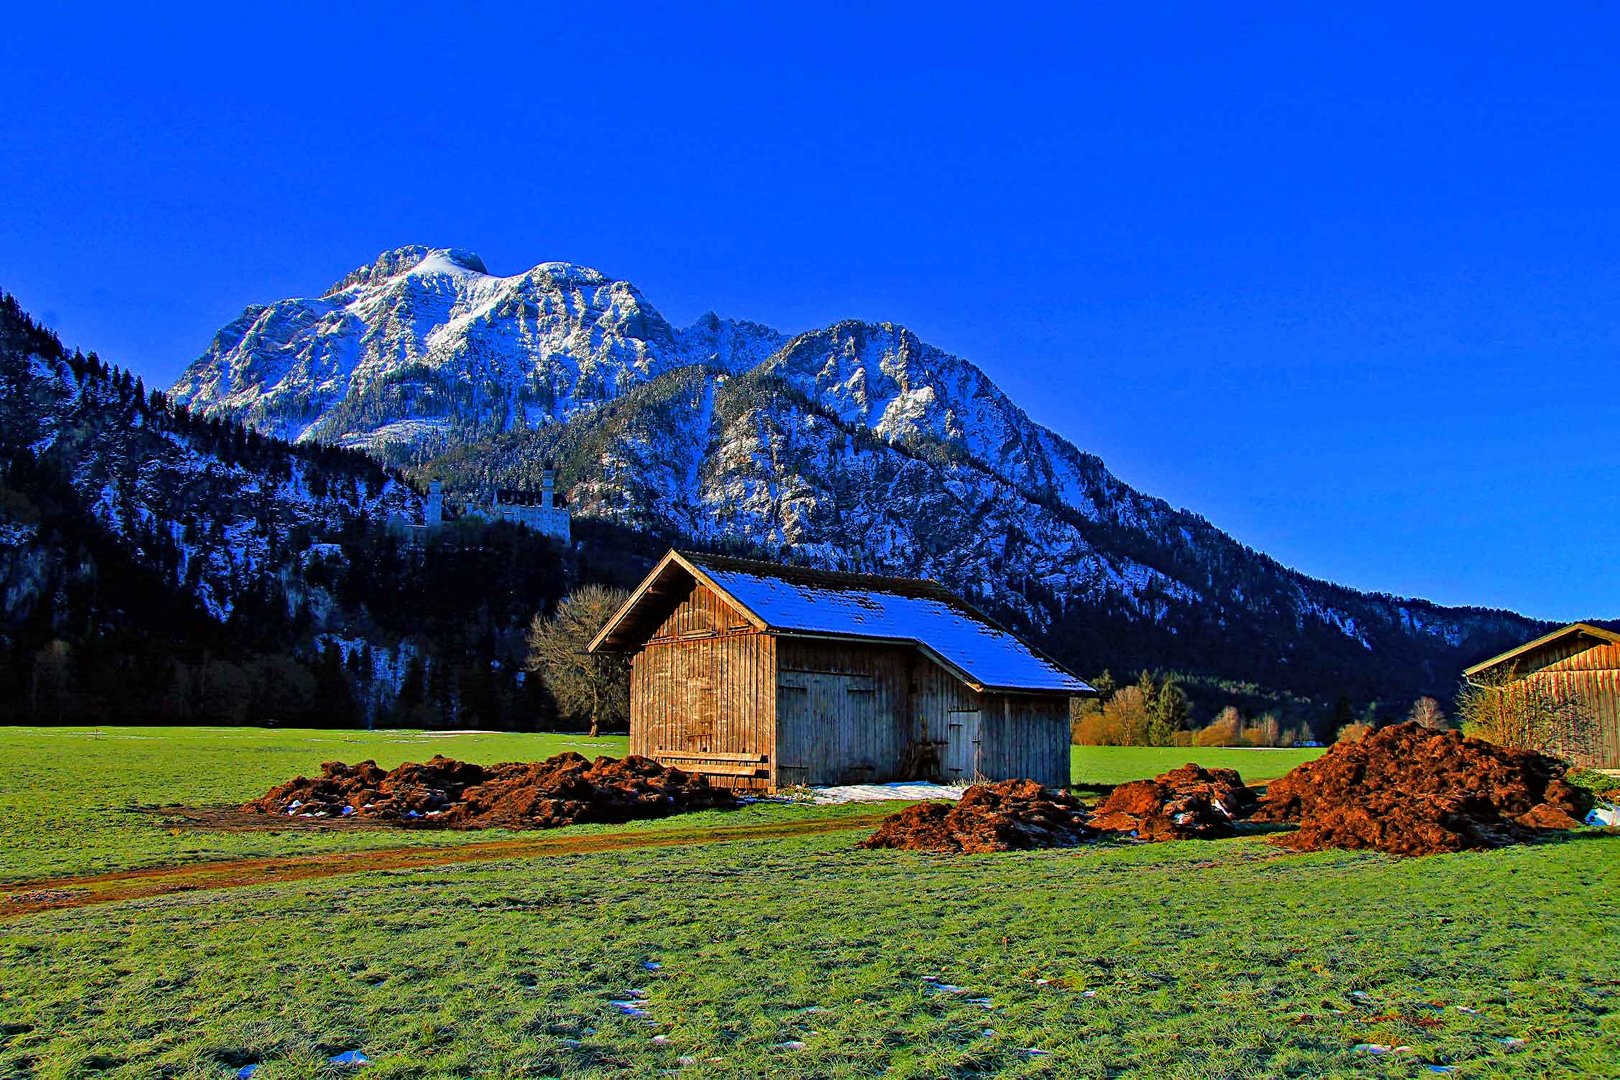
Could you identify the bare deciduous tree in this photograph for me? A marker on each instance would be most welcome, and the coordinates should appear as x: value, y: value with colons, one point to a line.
x: 1123, y: 721
x: 1225, y: 730
x: 591, y: 688
x: 1427, y: 711
x: 52, y: 680
x: 1266, y: 731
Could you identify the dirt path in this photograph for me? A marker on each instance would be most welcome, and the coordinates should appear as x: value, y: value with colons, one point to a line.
x: 29, y: 897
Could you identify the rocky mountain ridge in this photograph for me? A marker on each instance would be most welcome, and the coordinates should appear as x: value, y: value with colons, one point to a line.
x: 424, y: 347
x: 856, y: 446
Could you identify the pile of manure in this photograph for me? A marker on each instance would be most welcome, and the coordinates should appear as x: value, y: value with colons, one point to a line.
x: 1411, y: 790
x: 1186, y: 803
x: 566, y: 789
x: 1012, y: 815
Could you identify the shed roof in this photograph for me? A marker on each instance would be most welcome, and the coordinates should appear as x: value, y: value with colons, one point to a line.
x: 1598, y: 635
x: 802, y: 602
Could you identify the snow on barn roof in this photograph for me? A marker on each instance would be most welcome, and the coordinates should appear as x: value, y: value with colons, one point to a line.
x: 804, y: 602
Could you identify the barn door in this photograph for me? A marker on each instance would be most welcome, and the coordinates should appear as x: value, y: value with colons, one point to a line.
x: 825, y: 717
x: 961, y: 746
x: 793, y: 716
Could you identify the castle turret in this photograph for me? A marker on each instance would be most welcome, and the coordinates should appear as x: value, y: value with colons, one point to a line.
x: 433, y: 514
x: 548, y: 489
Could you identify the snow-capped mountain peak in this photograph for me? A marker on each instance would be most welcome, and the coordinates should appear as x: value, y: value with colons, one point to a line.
x: 407, y: 259
x: 424, y: 346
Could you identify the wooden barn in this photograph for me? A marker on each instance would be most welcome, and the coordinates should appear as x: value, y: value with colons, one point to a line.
x: 1580, y: 661
x: 763, y: 676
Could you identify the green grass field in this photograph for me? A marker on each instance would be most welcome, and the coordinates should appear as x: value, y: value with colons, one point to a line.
x: 70, y: 797
x: 1105, y: 766
x: 792, y: 957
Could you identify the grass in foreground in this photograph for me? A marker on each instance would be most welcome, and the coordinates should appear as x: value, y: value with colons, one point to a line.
x: 805, y: 957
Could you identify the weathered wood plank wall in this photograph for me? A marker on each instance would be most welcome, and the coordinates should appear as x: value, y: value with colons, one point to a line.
x: 1591, y: 673
x: 847, y: 712
x: 842, y: 711
x: 703, y: 694
x: 950, y: 715
x: 1026, y: 736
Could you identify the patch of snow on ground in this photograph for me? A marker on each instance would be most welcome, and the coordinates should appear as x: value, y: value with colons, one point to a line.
x: 900, y: 790
x: 400, y: 431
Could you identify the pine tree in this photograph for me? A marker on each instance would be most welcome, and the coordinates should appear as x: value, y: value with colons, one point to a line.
x: 334, y: 700
x: 1105, y: 686
x: 1149, y: 688
x: 1342, y: 714
x: 412, y: 686
x: 1169, y: 712
x: 441, y: 696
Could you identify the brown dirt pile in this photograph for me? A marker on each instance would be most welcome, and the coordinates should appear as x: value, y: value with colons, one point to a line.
x: 1408, y: 790
x: 447, y: 794
x: 1012, y: 815
x: 1185, y: 803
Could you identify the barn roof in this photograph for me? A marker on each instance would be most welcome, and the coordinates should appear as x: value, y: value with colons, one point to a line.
x: 801, y: 602
x: 1597, y: 634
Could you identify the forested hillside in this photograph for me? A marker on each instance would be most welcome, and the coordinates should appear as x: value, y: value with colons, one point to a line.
x: 157, y: 567
x: 1102, y: 578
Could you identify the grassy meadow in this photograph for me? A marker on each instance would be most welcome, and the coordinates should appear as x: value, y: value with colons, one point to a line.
x: 72, y: 799
x: 1095, y: 767
x: 797, y: 956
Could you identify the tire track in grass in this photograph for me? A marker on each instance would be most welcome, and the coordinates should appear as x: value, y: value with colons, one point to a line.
x: 28, y: 898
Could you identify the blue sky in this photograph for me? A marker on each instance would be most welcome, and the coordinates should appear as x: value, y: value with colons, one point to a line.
x: 1344, y: 281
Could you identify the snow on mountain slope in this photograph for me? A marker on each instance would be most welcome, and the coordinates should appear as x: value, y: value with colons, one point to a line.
x: 425, y: 346
x: 856, y: 446
x: 211, y: 510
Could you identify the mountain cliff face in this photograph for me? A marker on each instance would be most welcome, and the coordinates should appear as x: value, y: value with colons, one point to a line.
x: 857, y: 446
x: 426, y: 348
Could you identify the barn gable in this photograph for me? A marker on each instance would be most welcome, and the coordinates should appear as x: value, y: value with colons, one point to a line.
x: 647, y: 612
x: 702, y: 684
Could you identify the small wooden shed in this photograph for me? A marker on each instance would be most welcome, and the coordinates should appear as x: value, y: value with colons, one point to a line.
x: 764, y: 676
x: 1579, y: 661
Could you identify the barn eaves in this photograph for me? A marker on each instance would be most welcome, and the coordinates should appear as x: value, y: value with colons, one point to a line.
x: 1572, y: 634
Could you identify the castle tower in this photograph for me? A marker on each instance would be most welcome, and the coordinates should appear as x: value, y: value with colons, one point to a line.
x: 548, y: 489
x: 433, y: 515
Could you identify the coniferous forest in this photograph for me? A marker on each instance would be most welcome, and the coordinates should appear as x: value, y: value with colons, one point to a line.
x: 159, y: 568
